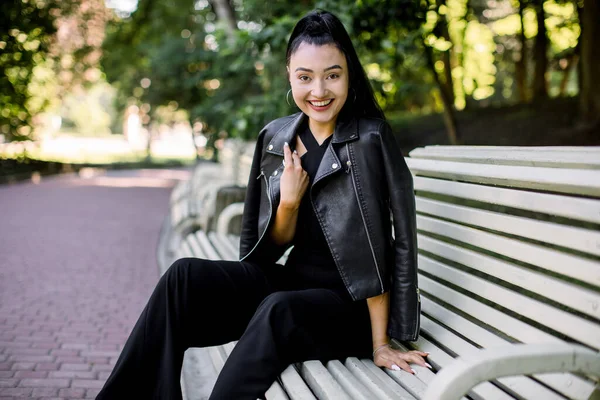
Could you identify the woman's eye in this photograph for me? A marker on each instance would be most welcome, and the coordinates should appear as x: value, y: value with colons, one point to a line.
x: 304, y: 78
x: 333, y: 76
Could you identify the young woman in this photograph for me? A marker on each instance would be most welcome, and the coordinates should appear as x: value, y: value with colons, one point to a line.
x: 327, y: 181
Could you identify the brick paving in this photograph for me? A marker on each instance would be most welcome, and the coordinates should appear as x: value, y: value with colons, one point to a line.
x: 77, y: 264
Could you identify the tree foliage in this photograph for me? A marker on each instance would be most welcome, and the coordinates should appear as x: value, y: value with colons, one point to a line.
x: 23, y: 44
x: 48, y: 48
x: 222, y: 62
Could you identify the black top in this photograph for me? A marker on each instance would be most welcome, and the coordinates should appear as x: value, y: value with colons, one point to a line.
x: 310, y: 259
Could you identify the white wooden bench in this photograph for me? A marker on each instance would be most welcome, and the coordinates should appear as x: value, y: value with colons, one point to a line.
x: 193, y: 202
x: 509, y: 271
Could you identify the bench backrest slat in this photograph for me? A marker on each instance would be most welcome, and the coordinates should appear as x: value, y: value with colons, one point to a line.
x: 581, y: 299
x: 589, y: 159
x: 579, y: 329
x: 584, y: 240
x: 580, y: 268
x: 578, y: 181
x: 509, y: 250
x: 550, y: 204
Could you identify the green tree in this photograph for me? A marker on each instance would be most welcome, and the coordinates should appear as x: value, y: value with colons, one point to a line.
x: 24, y: 43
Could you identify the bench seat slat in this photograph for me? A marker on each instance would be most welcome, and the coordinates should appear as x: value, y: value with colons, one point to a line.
x: 563, y: 383
x: 576, y: 181
x: 570, y: 325
x: 551, y: 204
x: 276, y: 392
x: 225, y: 243
x: 523, y: 386
x: 584, y: 240
x: 235, y: 241
x: 218, y: 357
x: 294, y: 386
x: 222, y: 246
x: 548, y: 158
x: 579, y: 268
x: 322, y: 383
x: 348, y: 381
x: 209, y: 250
x: 386, y: 378
x: 194, y: 245
x: 511, y: 326
x: 576, y: 297
x: 212, y: 240
x: 379, y: 388
x: 185, y: 250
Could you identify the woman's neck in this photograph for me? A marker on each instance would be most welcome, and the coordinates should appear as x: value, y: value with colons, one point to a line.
x: 320, y: 130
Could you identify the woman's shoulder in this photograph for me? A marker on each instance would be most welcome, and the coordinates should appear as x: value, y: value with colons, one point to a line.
x: 278, y: 124
x: 373, y: 125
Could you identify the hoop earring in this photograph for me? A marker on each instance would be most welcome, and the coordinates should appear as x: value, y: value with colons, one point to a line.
x: 354, y: 91
x: 287, y: 97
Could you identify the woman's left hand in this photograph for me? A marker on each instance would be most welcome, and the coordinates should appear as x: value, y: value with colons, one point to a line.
x: 397, y: 359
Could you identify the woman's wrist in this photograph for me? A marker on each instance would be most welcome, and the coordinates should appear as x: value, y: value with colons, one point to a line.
x: 381, y: 341
x: 379, y: 348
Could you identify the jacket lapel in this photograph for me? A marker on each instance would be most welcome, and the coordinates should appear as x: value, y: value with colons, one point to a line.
x: 330, y: 163
x: 345, y: 131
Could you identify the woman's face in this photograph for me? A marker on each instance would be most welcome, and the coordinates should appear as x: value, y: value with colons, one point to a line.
x: 319, y: 79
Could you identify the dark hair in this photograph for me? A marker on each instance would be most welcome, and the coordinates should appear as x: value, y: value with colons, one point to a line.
x: 321, y: 28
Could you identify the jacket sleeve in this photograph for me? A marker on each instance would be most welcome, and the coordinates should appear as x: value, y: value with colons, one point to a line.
x: 405, y: 304
x: 249, y: 232
x: 266, y: 252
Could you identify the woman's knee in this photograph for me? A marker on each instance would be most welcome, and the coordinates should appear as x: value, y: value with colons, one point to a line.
x: 181, y: 266
x: 278, y: 309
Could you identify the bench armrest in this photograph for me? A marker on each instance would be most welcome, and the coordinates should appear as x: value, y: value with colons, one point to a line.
x: 228, y: 213
x: 457, y: 378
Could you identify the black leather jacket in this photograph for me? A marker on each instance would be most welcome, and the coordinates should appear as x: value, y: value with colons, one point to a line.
x: 361, y: 179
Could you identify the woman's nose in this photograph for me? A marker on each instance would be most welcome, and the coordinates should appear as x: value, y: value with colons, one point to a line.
x: 319, y: 89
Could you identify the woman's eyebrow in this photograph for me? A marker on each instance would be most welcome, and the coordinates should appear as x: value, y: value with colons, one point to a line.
x: 325, y: 70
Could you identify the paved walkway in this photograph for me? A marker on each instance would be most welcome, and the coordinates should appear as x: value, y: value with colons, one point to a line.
x: 77, y: 265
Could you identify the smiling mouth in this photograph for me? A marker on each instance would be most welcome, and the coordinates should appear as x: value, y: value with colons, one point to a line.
x: 320, y: 103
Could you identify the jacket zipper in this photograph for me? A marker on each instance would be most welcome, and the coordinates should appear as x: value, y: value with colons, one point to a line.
x: 364, y: 220
x: 418, y: 321
x: 262, y: 173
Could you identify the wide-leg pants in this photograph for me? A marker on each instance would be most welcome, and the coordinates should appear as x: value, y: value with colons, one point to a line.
x: 199, y: 303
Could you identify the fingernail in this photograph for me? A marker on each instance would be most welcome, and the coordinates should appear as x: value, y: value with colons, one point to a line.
x: 286, y: 144
x: 428, y: 366
x: 395, y: 367
x: 413, y: 371
x: 295, y: 151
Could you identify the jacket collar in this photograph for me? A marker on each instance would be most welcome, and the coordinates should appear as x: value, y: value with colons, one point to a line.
x: 344, y: 131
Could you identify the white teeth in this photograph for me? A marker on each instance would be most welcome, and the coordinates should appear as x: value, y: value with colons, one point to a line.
x: 320, y: 103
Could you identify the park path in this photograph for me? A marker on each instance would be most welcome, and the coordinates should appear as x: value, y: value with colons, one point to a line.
x: 77, y: 265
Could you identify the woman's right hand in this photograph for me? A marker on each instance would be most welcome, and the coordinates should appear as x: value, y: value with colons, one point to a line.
x: 294, y: 180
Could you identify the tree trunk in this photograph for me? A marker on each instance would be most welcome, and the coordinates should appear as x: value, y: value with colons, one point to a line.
x: 571, y: 61
x: 449, y: 116
x: 226, y: 14
x: 448, y: 85
x: 578, y: 48
x: 461, y: 55
x: 521, y: 64
x: 590, y: 63
x: 540, y: 89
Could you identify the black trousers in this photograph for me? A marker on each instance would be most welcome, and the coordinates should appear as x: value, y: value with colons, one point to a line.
x: 199, y: 303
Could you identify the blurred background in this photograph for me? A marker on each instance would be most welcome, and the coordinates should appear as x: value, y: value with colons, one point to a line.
x: 155, y: 82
